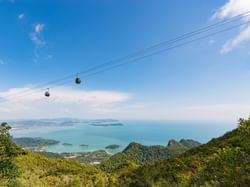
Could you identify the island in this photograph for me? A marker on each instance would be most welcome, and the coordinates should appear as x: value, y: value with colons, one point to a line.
x: 67, y: 144
x: 34, y: 142
x: 112, y: 146
x: 41, y: 123
x: 84, y: 145
x: 106, y: 124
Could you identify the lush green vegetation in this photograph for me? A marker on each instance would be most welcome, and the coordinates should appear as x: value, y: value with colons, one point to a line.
x: 37, y: 170
x: 50, y: 154
x: 8, y: 151
x: 141, y: 154
x: 83, y: 157
x: 224, y: 161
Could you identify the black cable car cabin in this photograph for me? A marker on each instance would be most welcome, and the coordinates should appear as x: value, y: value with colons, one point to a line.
x: 47, y: 94
x: 78, y: 80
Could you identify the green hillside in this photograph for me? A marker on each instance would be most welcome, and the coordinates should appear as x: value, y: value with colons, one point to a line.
x: 141, y: 154
x: 29, y: 169
x: 223, y: 161
x: 37, y: 170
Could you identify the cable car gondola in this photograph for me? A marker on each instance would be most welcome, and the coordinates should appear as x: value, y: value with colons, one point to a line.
x: 47, y: 94
x: 78, y: 80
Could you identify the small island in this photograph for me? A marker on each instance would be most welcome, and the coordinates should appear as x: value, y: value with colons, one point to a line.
x: 106, y: 124
x: 112, y: 146
x: 84, y: 145
x: 67, y: 144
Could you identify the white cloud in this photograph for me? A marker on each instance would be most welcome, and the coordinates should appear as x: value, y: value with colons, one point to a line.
x: 230, y: 9
x: 68, y: 102
x: 63, y: 102
x: 39, y: 27
x: 242, y: 37
x: 20, y: 16
x: 36, y: 38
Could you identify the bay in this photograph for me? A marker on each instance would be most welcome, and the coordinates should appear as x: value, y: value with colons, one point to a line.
x: 144, y: 132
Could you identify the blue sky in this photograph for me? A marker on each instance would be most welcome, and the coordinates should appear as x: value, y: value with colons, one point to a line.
x: 43, y: 40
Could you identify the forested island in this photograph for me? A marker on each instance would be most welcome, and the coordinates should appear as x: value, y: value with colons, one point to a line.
x: 34, y: 143
x: 84, y: 145
x: 112, y: 146
x: 67, y: 144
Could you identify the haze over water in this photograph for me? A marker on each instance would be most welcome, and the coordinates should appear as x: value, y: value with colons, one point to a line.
x: 144, y: 132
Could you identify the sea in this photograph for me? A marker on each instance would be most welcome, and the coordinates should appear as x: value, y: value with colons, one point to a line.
x: 140, y: 131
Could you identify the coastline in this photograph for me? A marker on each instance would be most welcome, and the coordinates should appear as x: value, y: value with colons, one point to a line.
x: 144, y: 132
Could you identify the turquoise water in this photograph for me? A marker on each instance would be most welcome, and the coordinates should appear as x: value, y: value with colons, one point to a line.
x: 145, y: 132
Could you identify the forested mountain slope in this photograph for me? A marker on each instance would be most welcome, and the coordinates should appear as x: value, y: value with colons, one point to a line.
x: 224, y: 161
x: 141, y: 154
x: 29, y: 169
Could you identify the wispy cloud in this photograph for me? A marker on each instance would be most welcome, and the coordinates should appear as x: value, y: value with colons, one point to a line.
x: 39, y: 27
x: 69, y: 102
x: 64, y: 101
x: 36, y: 38
x: 20, y: 16
x: 242, y: 37
x: 228, y: 10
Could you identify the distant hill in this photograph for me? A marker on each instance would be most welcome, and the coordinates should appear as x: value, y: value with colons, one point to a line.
x: 141, y: 154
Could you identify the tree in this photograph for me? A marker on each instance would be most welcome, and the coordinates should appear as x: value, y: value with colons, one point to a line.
x: 8, y: 151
